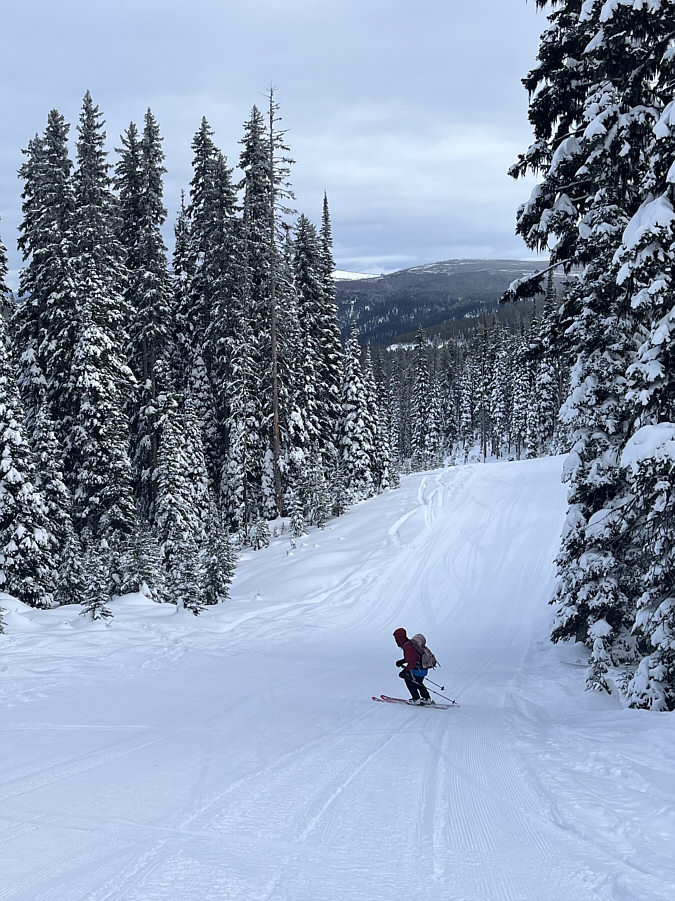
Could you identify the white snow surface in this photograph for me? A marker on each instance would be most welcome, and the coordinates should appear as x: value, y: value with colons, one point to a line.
x: 650, y: 443
x: 343, y: 275
x: 239, y: 756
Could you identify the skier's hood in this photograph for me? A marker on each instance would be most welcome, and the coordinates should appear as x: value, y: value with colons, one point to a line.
x: 400, y: 637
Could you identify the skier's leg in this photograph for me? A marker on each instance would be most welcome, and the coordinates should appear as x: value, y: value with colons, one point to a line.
x: 411, y: 682
x: 423, y: 690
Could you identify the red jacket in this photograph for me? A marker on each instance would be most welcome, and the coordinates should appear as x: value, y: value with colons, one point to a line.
x: 412, y: 657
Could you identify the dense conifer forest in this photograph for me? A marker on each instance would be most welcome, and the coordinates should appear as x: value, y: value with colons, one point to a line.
x: 160, y: 415
x: 157, y: 415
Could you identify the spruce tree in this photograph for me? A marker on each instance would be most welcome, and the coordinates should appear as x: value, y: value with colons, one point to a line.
x: 28, y: 569
x: 380, y: 462
x: 395, y: 416
x: 354, y: 429
x: 182, y: 503
x: 298, y: 526
x: 310, y: 299
x: 141, y: 565
x: 97, y: 461
x: 647, y: 258
x: 261, y: 534
x: 603, y: 80
x: 138, y: 180
x: 296, y: 389
x: 185, y: 579
x: 71, y: 576
x: 4, y: 290
x: 522, y: 391
x: 221, y: 268
x: 50, y: 481
x: 193, y: 317
x: 97, y: 579
x: 239, y: 487
x: 45, y: 321
x: 330, y: 344
x: 212, y: 286
x: 500, y: 396
x: 420, y: 402
x: 266, y: 166
x: 182, y: 263
x: 217, y: 560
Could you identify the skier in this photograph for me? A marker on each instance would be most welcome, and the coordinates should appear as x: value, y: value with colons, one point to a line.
x: 412, y: 673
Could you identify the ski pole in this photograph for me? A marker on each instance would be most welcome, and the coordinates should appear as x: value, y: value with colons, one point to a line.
x: 452, y: 701
x: 443, y: 696
x: 442, y: 688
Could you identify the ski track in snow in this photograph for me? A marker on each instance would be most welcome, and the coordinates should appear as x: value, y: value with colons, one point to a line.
x: 239, y: 756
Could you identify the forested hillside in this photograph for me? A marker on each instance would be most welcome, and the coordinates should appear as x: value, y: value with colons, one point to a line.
x: 398, y: 303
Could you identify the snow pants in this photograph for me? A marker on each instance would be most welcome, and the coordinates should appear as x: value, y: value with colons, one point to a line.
x: 415, y: 684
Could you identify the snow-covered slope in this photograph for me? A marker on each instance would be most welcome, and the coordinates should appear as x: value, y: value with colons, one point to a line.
x: 239, y: 756
x: 343, y: 275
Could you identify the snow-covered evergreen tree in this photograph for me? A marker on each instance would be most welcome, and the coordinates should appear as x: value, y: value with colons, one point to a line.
x: 139, y: 174
x: 647, y: 258
x: 310, y: 290
x: 194, y: 314
x: 261, y: 534
x: 466, y: 387
x: 97, y: 578
x: 298, y: 526
x: 329, y: 376
x: 354, y: 429
x: 266, y: 165
x: 241, y: 475
x: 97, y: 461
x: 420, y: 402
x: 70, y: 589
x: 211, y: 283
x: 50, y: 481
x: 183, y: 504
x: 203, y: 407
x: 501, y: 396
x: 4, y: 270
x: 185, y: 579
x: 603, y: 81
x: 217, y: 560
x: 545, y: 397
x: 141, y: 565
x: 522, y: 389
x: 28, y: 568
x: 182, y: 266
x: 380, y: 461
x: 45, y: 321
x: 315, y: 491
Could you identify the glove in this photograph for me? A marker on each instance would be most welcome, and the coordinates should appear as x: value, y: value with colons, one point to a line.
x: 400, y: 662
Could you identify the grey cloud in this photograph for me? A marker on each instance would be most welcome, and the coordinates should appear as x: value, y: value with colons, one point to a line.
x: 407, y: 114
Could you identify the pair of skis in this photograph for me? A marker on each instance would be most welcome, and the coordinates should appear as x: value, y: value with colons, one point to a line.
x: 385, y: 699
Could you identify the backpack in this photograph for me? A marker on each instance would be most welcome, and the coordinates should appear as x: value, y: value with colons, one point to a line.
x: 427, y: 657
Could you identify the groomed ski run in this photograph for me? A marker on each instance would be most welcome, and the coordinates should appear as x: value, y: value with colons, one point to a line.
x: 239, y: 755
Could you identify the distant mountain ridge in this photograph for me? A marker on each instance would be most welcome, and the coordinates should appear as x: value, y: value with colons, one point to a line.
x: 398, y: 303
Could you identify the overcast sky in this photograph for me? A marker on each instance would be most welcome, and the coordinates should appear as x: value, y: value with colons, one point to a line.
x: 406, y: 112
